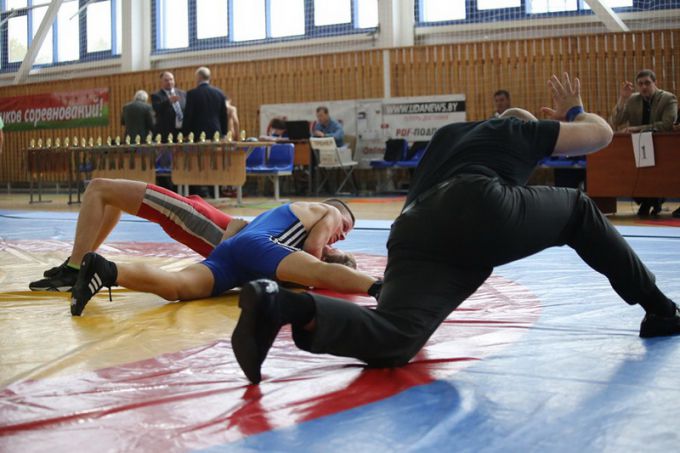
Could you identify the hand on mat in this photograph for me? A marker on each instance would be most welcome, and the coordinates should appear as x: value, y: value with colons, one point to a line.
x: 565, y: 95
x: 331, y: 255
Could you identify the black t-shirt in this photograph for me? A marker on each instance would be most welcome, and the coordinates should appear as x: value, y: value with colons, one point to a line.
x: 509, y: 148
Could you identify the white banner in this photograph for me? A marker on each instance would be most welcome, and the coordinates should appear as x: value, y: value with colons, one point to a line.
x: 373, y: 121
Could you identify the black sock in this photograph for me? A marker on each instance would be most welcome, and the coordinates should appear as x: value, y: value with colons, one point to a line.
x: 297, y: 309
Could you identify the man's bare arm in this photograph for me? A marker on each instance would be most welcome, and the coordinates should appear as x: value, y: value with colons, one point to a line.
x: 306, y: 270
x: 587, y: 133
x: 322, y: 232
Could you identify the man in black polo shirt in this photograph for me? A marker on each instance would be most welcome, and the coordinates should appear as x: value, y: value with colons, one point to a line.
x: 468, y: 211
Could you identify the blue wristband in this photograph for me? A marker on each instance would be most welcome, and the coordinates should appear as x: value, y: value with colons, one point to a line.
x: 573, y: 112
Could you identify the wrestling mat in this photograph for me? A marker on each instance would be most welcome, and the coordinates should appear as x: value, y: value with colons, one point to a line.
x: 544, y: 357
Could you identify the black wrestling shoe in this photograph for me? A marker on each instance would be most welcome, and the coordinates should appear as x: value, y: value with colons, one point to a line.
x: 56, y: 269
x: 257, y: 327
x: 660, y: 326
x: 95, y: 273
x: 63, y: 280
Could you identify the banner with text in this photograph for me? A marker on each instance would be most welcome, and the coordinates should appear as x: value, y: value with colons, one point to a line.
x: 373, y: 121
x: 82, y: 108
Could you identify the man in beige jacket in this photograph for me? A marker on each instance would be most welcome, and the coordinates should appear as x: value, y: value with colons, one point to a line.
x: 650, y: 109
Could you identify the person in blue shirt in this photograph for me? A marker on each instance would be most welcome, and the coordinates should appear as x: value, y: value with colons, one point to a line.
x: 327, y: 127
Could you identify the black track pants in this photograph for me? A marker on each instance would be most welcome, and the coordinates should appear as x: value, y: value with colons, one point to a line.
x: 443, y: 248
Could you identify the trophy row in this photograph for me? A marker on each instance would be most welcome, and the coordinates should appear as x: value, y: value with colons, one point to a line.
x: 150, y: 140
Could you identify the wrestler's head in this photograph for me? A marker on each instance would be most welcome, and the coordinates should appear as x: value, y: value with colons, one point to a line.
x: 518, y: 113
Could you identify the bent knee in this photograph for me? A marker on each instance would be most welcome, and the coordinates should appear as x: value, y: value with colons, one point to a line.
x: 400, y: 350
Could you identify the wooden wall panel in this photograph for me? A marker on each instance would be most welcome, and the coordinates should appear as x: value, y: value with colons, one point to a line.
x: 602, y: 62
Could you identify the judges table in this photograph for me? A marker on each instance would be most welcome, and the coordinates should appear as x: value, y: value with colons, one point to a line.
x: 611, y: 172
x: 206, y: 163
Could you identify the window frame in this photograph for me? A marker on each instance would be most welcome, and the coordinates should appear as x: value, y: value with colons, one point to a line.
x: 473, y: 15
x: 84, y: 56
x: 311, y: 31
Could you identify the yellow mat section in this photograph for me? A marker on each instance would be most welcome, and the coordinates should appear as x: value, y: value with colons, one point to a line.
x: 40, y: 339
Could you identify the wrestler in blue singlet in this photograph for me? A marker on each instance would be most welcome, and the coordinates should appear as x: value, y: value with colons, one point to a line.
x: 256, y: 251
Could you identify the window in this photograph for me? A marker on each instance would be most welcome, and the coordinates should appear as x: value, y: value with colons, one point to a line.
x: 442, y: 10
x: 368, y: 14
x: 332, y: 12
x: 610, y: 3
x: 17, y: 38
x: 550, y: 6
x: 287, y: 18
x: 249, y: 20
x: 212, y: 19
x: 173, y: 19
x: 15, y: 4
x: 98, y: 26
x: 45, y: 54
x: 496, y: 4
x: 68, y: 32
x: 75, y: 34
x: 223, y: 23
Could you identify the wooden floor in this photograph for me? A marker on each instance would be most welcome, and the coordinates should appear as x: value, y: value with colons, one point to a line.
x: 369, y: 208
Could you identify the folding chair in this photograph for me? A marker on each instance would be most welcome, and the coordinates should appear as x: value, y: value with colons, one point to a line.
x: 330, y: 157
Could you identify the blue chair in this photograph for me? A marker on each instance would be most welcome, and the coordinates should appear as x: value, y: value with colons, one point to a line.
x: 281, y: 157
x: 256, y: 158
x: 280, y: 163
x: 413, y: 161
x: 569, y: 171
x: 395, y: 150
x: 564, y: 162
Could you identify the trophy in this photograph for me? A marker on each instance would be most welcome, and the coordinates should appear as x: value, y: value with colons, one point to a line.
x: 48, y: 142
x: 243, y: 135
x: 229, y: 136
x: 201, y: 137
x: 66, y: 142
x: 90, y: 142
x: 75, y: 141
x: 108, y: 141
x: 32, y: 144
x: 180, y: 137
x: 138, y: 139
x: 191, y: 137
x: 170, y: 138
x: 83, y: 142
x: 99, y: 141
x: 57, y: 142
x: 127, y: 140
x: 158, y: 139
x: 216, y: 137
x: 117, y: 142
x: 40, y: 143
x: 149, y: 139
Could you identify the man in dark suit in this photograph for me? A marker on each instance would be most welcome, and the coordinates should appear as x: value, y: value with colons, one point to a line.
x: 168, y: 104
x: 137, y: 116
x: 206, y: 108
